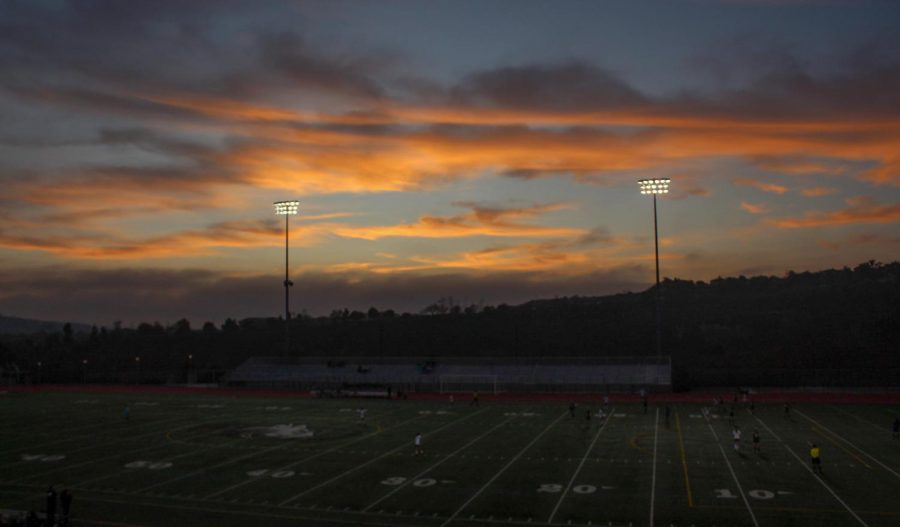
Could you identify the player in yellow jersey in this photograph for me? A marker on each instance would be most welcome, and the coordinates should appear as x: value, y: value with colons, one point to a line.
x: 815, y: 457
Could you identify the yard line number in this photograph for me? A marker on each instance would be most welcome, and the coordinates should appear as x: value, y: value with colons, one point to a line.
x: 760, y: 494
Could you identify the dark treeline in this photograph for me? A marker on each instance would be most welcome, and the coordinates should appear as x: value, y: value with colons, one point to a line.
x: 828, y: 328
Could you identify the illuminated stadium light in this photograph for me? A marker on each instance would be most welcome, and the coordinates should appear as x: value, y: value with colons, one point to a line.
x: 287, y: 209
x: 284, y: 208
x: 653, y: 187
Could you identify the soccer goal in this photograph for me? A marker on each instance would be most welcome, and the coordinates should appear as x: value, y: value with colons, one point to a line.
x: 468, y: 383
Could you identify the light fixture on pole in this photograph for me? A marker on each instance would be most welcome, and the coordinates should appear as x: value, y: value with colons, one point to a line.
x: 287, y: 209
x: 654, y: 187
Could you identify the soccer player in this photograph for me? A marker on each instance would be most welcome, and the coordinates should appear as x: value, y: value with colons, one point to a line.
x: 897, y: 428
x: 605, y: 402
x: 572, y: 410
x: 418, y: 443
x: 787, y: 411
x: 736, y: 435
x: 815, y: 457
x: 127, y: 413
x: 474, y: 399
x: 362, y: 414
x: 756, y: 441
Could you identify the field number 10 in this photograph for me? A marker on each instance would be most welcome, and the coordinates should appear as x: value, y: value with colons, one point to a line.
x: 759, y: 494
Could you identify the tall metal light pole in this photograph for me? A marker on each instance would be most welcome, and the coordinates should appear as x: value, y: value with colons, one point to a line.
x: 654, y: 187
x: 287, y: 209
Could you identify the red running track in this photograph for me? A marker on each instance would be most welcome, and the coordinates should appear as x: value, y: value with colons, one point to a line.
x: 706, y: 396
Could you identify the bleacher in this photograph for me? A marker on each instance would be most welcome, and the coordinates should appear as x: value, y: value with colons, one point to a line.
x: 504, y: 374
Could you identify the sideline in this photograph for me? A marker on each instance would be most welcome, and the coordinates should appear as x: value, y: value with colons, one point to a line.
x: 502, y: 470
x: 684, y: 463
x: 820, y: 480
x: 580, y: 465
x: 733, y: 475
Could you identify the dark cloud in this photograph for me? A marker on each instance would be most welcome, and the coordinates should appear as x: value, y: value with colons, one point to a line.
x: 290, y: 56
x: 568, y: 87
x: 135, y: 295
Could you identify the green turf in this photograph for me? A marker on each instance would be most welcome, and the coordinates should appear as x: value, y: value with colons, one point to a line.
x: 205, y: 461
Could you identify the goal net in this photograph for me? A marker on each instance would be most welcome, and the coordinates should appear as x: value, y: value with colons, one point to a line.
x: 468, y: 383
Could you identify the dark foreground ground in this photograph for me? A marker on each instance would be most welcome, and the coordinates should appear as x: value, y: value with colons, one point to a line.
x: 223, y: 460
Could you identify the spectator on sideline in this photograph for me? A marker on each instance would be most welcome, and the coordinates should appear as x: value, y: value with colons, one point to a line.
x: 51, y: 506
x: 65, y: 502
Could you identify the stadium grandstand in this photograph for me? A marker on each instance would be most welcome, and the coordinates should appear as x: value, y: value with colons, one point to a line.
x: 369, y: 375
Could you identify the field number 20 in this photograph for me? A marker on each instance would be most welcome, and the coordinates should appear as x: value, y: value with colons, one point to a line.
x: 152, y: 465
x: 577, y: 489
x: 400, y: 480
x: 759, y: 494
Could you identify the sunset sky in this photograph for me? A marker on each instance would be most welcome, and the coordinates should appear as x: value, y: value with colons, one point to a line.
x: 482, y: 150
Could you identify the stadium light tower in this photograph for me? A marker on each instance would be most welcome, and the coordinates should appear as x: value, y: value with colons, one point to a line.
x: 287, y: 209
x: 654, y: 187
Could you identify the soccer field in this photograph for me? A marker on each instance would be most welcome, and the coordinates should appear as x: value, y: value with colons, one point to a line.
x: 193, y: 460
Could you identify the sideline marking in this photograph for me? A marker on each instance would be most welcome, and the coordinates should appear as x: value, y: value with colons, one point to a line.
x: 653, y: 479
x: 577, y: 470
x: 432, y: 467
x: 502, y: 470
x: 849, y: 443
x: 820, y: 480
x: 733, y: 475
x: 860, y: 419
x: 634, y: 441
x: 304, y: 460
x: 405, y: 444
x: 105, y: 458
x: 95, y: 445
x: 684, y: 463
x: 825, y: 436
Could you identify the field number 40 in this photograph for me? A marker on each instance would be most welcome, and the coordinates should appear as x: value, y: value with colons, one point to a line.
x: 759, y: 494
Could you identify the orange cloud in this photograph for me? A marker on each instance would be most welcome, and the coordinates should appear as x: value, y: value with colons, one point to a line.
x: 202, y: 242
x: 761, y: 185
x: 482, y: 221
x: 861, y: 210
x: 755, y: 208
x: 815, y: 192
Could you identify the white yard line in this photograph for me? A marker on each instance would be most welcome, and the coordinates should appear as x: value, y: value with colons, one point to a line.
x: 835, y: 434
x: 308, y: 519
x: 432, y: 467
x: 386, y: 454
x: 118, y: 454
x: 580, y: 465
x: 733, y: 475
x: 88, y: 437
x: 502, y: 470
x: 194, y: 452
x: 75, y: 433
x: 820, y: 480
x: 653, y: 479
x: 304, y: 460
x: 860, y: 419
x: 207, y: 469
